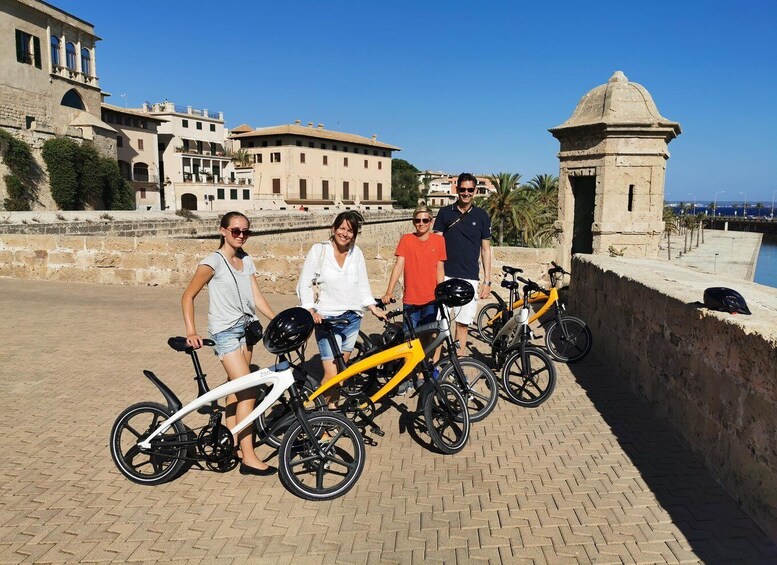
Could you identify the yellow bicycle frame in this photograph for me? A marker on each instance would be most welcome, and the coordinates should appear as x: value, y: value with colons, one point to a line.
x: 411, y: 352
x: 550, y: 299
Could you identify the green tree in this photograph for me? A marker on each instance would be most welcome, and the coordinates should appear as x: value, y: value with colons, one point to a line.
x: 502, y: 204
x: 117, y: 194
x: 24, y: 173
x: 59, y: 153
x: 404, y: 183
x: 91, y: 178
x: 542, y: 200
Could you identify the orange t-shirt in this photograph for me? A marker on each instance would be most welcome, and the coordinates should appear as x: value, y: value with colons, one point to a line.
x: 421, y: 259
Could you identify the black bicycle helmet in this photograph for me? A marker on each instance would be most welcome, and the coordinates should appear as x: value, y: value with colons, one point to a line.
x: 454, y: 292
x: 289, y: 330
x: 725, y: 300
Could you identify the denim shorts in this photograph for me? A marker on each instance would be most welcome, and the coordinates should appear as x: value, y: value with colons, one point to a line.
x: 345, y: 335
x: 426, y: 315
x: 231, y: 339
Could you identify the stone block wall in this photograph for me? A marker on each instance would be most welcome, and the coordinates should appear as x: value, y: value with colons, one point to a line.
x: 712, y: 375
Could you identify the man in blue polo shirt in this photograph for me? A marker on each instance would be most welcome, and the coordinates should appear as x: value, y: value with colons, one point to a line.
x: 467, y: 232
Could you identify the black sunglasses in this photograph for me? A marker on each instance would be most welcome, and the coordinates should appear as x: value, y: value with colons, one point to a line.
x: 237, y: 232
x: 421, y: 220
x: 470, y: 190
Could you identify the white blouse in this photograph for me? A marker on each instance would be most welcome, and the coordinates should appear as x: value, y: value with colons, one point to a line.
x: 340, y: 288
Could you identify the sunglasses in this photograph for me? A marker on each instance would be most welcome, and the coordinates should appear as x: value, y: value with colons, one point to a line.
x: 469, y: 190
x: 237, y: 232
x: 421, y: 220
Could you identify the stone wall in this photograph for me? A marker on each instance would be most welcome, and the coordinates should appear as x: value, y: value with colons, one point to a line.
x: 171, y: 262
x: 712, y: 375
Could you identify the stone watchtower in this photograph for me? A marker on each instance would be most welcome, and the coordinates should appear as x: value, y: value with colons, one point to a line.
x: 611, y: 172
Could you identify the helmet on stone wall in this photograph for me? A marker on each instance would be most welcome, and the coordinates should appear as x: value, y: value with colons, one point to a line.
x: 289, y: 330
x: 725, y: 300
x: 454, y: 292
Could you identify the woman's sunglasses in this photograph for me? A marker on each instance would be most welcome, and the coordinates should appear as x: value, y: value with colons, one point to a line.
x: 421, y: 220
x: 237, y: 232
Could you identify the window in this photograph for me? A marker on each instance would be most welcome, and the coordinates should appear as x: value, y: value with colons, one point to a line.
x: 384, y: 153
x: 198, y: 125
x: 219, y: 194
x: 366, y: 164
x: 325, y: 189
x: 365, y: 150
x: 299, y: 143
x: 55, y: 51
x: 275, y: 157
x: 258, y: 158
x: 345, y: 149
x: 345, y: 190
x: 28, y: 49
x: 140, y: 144
x: 303, y: 188
x: 233, y: 194
x: 345, y: 162
x: 140, y: 172
x: 119, y: 141
x: 301, y: 157
x: 631, y: 198
x: 264, y: 143
x: 246, y: 194
x: 143, y: 193
x: 73, y: 100
x: 251, y: 144
x: 278, y: 143
x: 212, y: 148
x: 375, y: 152
x: 380, y: 191
x: 29, y: 122
x: 199, y: 147
x: 185, y: 123
x: 326, y: 160
x: 212, y: 127
x: 380, y: 165
x: 334, y: 148
x: 70, y: 56
x: 276, y: 186
x: 310, y: 144
x: 86, y: 60
x: 323, y: 146
x: 366, y: 194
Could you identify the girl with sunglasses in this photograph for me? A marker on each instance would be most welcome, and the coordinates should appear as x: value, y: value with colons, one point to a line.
x: 234, y: 298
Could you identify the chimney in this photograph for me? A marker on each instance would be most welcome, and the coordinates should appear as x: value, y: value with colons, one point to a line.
x: 320, y: 126
x: 310, y: 124
x: 297, y: 122
x: 374, y: 137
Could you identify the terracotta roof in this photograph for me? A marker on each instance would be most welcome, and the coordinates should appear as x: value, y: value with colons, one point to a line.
x: 132, y: 112
x: 88, y: 120
x: 242, y: 128
x: 320, y: 133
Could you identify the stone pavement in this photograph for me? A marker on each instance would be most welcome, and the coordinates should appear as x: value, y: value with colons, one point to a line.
x: 732, y: 254
x: 589, y: 476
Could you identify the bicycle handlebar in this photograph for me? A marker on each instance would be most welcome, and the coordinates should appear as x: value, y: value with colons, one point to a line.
x: 382, y: 305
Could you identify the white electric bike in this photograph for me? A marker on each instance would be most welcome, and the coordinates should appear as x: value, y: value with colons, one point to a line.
x: 320, y: 458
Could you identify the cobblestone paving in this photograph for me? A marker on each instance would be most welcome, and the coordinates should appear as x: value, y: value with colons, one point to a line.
x: 590, y: 476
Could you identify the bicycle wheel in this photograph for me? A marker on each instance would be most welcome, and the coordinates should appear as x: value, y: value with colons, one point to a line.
x: 487, y: 326
x: 313, y: 476
x: 568, y: 341
x: 481, y: 389
x: 448, y: 425
x: 272, y: 424
x: 529, y: 378
x: 134, y: 425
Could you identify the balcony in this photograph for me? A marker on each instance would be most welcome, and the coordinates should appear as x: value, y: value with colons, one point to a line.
x: 154, y: 179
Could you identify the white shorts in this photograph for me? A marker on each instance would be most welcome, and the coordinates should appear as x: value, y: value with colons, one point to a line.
x: 465, y: 314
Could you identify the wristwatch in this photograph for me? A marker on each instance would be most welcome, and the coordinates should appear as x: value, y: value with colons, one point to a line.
x: 487, y: 283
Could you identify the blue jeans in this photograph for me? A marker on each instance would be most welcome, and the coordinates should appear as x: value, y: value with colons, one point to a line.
x: 345, y: 335
x: 426, y: 315
x: 230, y: 339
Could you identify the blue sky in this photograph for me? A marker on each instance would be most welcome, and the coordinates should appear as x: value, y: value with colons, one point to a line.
x: 462, y: 85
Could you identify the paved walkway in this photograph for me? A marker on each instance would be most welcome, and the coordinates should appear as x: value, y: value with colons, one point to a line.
x: 590, y: 476
x: 730, y: 253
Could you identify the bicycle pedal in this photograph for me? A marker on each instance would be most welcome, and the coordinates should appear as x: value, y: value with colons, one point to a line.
x: 378, y: 432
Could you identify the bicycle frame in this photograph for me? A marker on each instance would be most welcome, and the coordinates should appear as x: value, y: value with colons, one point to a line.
x: 280, y: 376
x: 411, y: 352
x: 550, y: 298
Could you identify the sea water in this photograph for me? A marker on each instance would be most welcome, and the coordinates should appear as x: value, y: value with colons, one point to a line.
x: 766, y: 267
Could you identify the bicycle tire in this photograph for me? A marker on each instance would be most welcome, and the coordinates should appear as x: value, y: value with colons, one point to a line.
x: 482, y: 389
x: 305, y: 474
x: 448, y: 428
x: 271, y: 425
x: 575, y: 346
x: 487, y: 328
x: 134, y: 425
x: 531, y: 383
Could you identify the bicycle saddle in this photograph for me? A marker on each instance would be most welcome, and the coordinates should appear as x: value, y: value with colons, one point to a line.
x: 179, y: 343
x: 511, y: 270
x: 331, y: 323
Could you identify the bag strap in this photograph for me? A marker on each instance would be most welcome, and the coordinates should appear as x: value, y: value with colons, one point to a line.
x: 457, y: 220
x: 239, y: 296
x: 317, y: 274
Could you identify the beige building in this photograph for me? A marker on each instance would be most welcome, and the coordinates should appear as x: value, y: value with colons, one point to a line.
x: 195, y: 172
x: 442, y: 188
x: 137, y: 152
x: 48, y: 79
x: 611, y: 173
x: 306, y: 166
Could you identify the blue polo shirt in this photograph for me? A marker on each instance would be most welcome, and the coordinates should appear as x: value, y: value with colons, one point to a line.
x: 463, y: 240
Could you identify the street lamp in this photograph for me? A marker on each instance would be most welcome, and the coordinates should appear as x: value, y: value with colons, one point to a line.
x: 771, y: 216
x: 715, y: 202
x: 694, y: 202
x: 744, y: 206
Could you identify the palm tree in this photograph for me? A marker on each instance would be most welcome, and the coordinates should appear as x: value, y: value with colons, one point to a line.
x: 670, y: 227
x: 543, y: 196
x: 241, y: 157
x: 700, y: 219
x: 501, y: 204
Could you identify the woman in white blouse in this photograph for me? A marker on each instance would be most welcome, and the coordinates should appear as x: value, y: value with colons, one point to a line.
x: 338, y: 270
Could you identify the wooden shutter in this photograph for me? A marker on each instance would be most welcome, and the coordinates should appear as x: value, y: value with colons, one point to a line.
x: 20, y: 46
x: 36, y: 47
